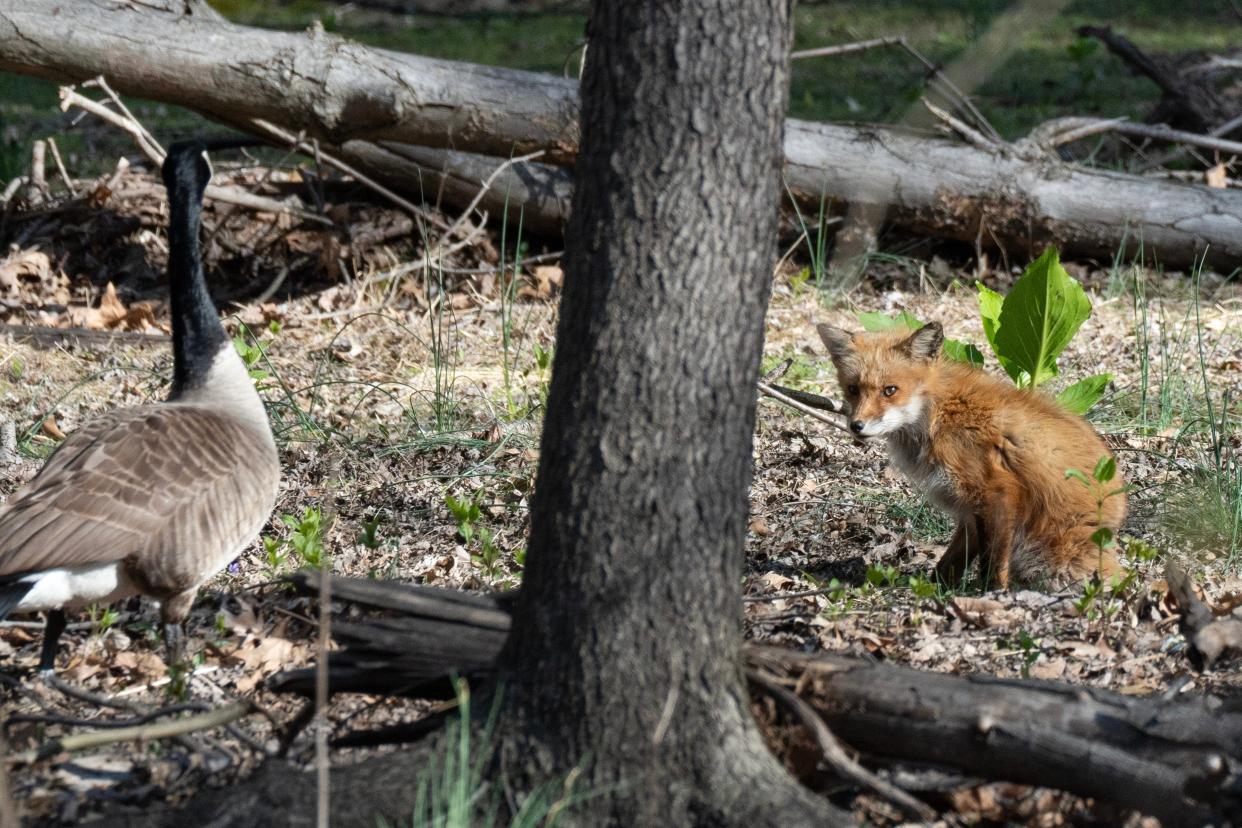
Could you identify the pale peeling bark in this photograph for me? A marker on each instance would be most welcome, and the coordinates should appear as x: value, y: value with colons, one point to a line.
x: 338, y: 91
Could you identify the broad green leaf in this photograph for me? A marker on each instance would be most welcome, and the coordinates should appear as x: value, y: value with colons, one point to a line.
x: 1102, y: 537
x: 963, y: 352
x: 873, y: 321
x: 1038, y: 319
x: 1078, y: 475
x: 1105, y: 469
x: 1085, y: 393
x: 990, y: 304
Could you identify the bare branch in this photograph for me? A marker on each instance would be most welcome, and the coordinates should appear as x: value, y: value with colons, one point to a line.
x: 228, y: 195
x: 804, y: 408
x: 834, y: 752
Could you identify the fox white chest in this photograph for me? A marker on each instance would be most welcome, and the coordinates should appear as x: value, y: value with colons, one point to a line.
x: 909, y: 453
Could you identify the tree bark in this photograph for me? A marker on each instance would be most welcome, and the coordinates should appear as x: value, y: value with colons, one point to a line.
x: 339, y: 91
x: 623, y: 662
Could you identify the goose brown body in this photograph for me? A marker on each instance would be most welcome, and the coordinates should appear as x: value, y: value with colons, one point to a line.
x: 157, y: 490
x: 151, y: 500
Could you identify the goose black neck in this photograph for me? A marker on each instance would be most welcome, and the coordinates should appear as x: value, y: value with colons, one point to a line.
x: 197, y: 333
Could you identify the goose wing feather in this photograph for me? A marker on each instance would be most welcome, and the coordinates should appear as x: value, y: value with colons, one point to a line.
x: 116, y: 487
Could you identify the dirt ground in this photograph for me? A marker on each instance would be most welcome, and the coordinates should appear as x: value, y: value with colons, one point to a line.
x: 398, y: 399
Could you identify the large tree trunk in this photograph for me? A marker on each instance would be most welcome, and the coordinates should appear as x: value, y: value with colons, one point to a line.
x: 624, y: 656
x: 339, y: 91
x: 623, y: 660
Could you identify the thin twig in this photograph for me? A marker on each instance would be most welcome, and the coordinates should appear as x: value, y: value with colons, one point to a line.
x: 487, y: 185
x: 846, y: 48
x: 962, y: 128
x: 426, y: 264
x: 106, y: 724
x: 322, y: 762
x: 144, y: 733
x: 38, y: 167
x: 362, y: 178
x: 228, y: 195
x: 805, y: 409
x: 270, y: 290
x: 60, y: 167
x: 766, y: 599
x: 937, y: 74
x: 101, y: 82
x: 835, y: 754
x: 934, y: 73
x: 1159, y: 132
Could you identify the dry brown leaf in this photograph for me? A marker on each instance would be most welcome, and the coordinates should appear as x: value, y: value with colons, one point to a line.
x: 1048, y: 668
x: 544, y: 281
x: 1216, y: 176
x: 759, y: 527
x: 1085, y: 649
x: 263, y: 656
x: 146, y: 665
x: 23, y: 264
x: 491, y: 434
x: 112, y: 313
x: 777, y: 582
x: 51, y: 429
x: 981, y: 612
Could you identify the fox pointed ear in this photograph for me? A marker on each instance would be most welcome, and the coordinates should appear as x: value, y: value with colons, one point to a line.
x: 840, y: 343
x: 925, y: 342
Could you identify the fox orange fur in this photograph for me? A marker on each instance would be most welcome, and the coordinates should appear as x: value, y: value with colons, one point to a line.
x: 990, y: 454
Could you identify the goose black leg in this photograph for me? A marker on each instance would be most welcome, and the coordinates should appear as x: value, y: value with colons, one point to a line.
x: 174, y: 643
x: 54, y: 626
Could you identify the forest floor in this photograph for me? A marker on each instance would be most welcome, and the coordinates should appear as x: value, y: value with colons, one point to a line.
x: 407, y: 402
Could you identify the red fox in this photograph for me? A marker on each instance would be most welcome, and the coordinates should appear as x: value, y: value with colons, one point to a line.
x: 990, y: 454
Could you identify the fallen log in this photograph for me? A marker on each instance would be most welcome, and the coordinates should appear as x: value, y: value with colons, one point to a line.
x: 1177, y: 759
x: 339, y: 92
x: 1185, y: 102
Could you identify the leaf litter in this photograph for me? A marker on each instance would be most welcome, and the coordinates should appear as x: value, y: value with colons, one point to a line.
x: 381, y: 416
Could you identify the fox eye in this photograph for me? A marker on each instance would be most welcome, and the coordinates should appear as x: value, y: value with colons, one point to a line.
x: 853, y: 390
x: 890, y: 390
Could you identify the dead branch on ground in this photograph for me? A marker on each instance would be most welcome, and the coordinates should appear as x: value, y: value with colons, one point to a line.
x: 945, y: 190
x: 1174, y: 758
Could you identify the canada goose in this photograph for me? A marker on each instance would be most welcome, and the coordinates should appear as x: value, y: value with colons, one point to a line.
x: 156, y: 499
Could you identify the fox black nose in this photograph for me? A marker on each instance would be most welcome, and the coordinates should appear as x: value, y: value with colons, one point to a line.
x: 857, y: 426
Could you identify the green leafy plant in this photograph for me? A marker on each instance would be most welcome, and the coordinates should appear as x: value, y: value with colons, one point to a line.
x: 922, y: 587
x: 102, y: 618
x: 253, y: 354
x: 466, y: 512
x: 1030, y: 651
x: 275, y: 553
x: 369, y: 536
x: 1029, y: 328
x: 953, y: 349
x: 479, y: 540
x: 306, y: 537
x: 179, y: 675
x: 543, y: 369
x: 305, y: 541
x: 882, y: 575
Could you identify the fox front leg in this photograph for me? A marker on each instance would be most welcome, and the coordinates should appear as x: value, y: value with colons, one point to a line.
x: 964, y: 547
x: 999, y: 530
